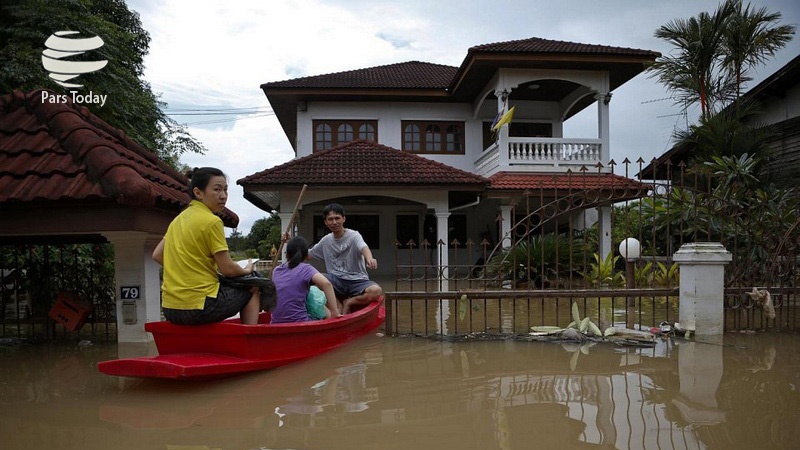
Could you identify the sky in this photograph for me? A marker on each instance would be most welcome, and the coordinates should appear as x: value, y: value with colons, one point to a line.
x: 211, y: 56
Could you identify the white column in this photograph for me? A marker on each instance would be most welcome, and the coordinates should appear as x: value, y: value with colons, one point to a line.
x: 603, y: 127
x: 138, y: 284
x: 702, y: 287
x: 604, y: 231
x: 285, y: 218
x: 700, y: 368
x: 444, y: 252
x: 502, y: 133
x: 505, y: 226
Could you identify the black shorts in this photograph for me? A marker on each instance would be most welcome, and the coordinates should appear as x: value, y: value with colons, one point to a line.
x: 229, y: 302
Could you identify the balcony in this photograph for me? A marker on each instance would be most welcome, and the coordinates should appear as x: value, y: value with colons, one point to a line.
x: 522, y: 154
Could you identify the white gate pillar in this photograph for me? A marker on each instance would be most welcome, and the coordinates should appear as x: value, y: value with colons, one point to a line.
x: 506, y: 221
x: 702, y: 287
x: 604, y: 231
x: 137, y: 284
x: 442, y: 231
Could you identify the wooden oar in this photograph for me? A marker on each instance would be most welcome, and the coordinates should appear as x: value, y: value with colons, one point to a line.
x: 288, y: 229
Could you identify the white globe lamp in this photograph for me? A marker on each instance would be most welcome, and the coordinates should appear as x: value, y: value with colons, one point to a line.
x: 630, y: 249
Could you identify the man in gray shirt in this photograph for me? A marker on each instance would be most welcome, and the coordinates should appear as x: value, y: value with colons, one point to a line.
x: 347, y: 257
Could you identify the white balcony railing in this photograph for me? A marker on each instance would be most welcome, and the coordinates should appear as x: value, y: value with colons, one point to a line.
x: 540, y: 155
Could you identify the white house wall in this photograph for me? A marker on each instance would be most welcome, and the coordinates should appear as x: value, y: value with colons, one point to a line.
x: 391, y: 115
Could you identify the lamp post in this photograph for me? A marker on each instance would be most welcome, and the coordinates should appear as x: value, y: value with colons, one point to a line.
x: 630, y: 250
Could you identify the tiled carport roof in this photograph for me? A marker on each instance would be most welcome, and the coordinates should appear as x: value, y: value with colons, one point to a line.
x: 539, y: 45
x: 563, y: 181
x: 61, y: 152
x: 357, y: 163
x: 363, y: 162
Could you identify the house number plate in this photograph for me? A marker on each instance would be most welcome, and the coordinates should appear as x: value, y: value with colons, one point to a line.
x: 130, y: 292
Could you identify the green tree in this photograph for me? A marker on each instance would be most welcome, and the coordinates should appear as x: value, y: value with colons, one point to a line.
x: 690, y: 70
x: 750, y: 37
x: 237, y: 242
x: 733, y: 132
x: 265, y: 234
x: 713, y: 52
x: 131, y: 105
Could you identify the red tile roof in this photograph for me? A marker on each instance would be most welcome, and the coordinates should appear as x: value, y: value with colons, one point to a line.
x: 407, y: 75
x: 539, y: 45
x: 422, y: 75
x: 563, y: 181
x: 61, y: 151
x: 364, y: 163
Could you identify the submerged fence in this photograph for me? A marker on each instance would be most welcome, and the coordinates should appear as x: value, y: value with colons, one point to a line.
x: 552, y: 259
x: 34, y: 277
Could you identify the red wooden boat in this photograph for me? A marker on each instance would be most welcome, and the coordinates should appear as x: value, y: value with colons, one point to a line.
x: 229, y: 347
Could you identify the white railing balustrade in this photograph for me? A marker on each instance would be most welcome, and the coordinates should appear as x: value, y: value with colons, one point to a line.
x: 540, y: 154
x: 532, y: 150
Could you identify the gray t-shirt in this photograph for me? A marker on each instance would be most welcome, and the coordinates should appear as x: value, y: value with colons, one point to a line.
x: 342, y: 256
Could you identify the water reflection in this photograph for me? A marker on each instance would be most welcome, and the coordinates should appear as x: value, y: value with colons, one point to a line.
x: 400, y: 393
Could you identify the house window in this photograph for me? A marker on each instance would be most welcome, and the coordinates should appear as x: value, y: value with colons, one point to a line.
x: 330, y: 133
x: 433, y: 137
x: 366, y: 224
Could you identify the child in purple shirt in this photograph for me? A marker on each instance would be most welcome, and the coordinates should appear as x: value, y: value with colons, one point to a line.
x: 293, y: 279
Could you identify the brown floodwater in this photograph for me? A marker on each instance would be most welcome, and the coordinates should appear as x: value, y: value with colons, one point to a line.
x: 738, y: 392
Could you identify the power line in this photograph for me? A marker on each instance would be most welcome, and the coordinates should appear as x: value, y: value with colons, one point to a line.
x: 215, y: 110
x: 243, y: 113
x: 232, y: 119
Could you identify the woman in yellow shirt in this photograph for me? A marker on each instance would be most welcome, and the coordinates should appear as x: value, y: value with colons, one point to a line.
x: 193, y: 251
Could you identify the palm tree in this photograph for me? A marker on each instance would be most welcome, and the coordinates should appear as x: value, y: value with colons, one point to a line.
x: 691, y: 70
x: 713, y: 52
x: 750, y: 37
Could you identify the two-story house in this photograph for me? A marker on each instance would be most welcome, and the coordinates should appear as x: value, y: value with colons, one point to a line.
x: 409, y: 149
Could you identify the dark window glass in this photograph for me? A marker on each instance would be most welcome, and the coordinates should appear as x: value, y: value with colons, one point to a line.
x: 366, y: 131
x: 411, y: 138
x: 345, y: 133
x: 323, y: 136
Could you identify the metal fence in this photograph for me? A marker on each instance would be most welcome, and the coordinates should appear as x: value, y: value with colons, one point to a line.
x: 550, y: 263
x: 36, y: 277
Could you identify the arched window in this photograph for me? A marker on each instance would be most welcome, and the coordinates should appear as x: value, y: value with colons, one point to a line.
x: 344, y: 133
x: 366, y: 131
x: 439, y: 137
x: 411, y: 138
x: 325, y: 137
x: 433, y: 138
x: 453, y: 143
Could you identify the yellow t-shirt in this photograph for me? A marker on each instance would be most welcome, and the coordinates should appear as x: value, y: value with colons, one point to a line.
x: 190, y: 272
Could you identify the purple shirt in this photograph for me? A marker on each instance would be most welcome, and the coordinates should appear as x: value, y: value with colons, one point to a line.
x: 292, y: 287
